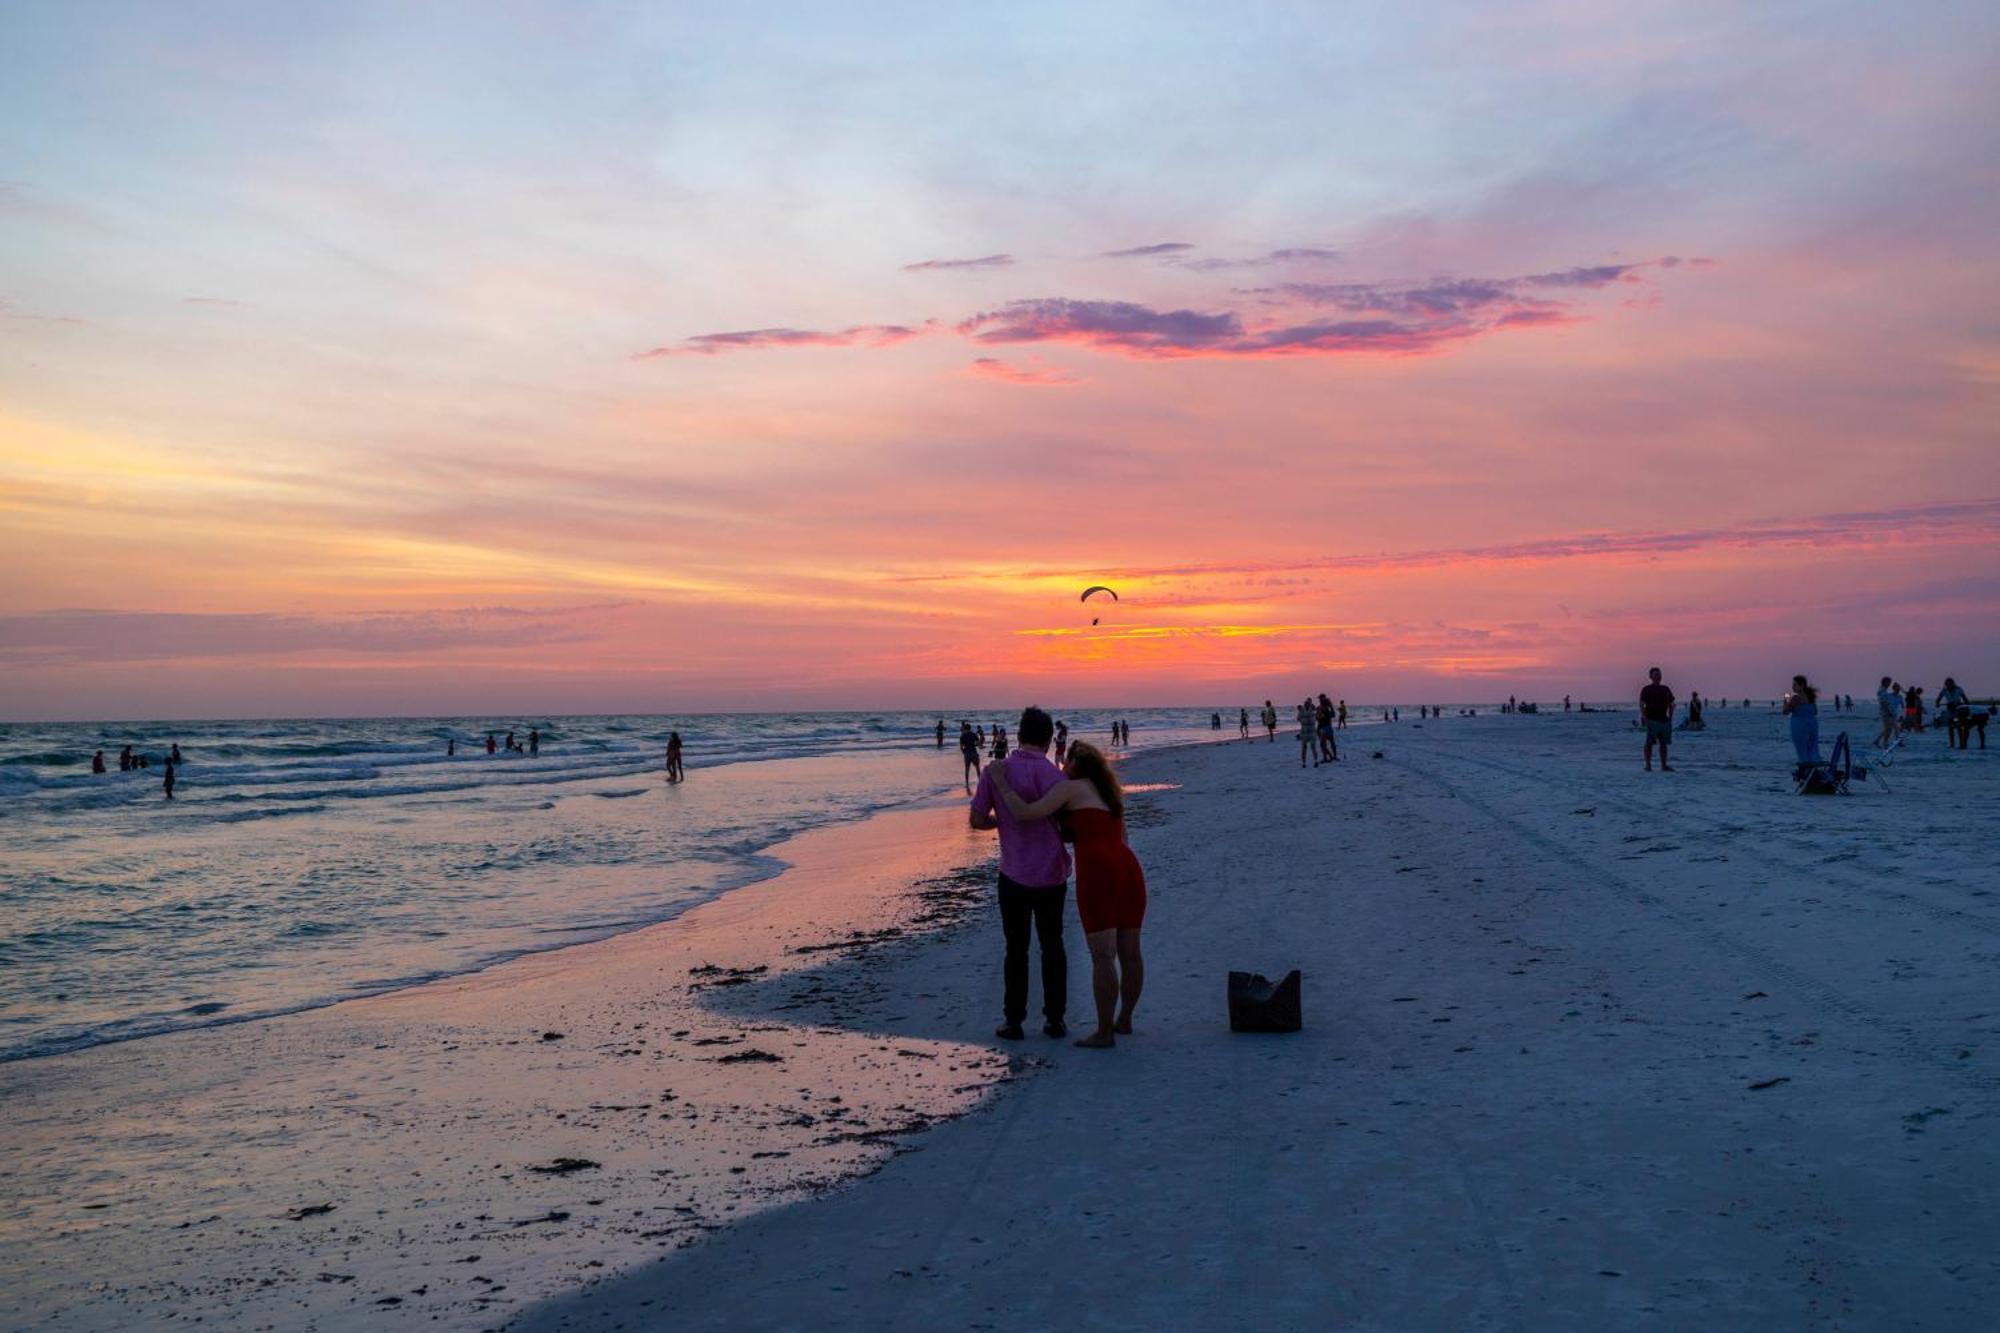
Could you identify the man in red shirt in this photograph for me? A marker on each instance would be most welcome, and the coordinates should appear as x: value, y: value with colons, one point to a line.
x: 1656, y: 711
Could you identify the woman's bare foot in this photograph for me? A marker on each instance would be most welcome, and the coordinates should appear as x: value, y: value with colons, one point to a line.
x: 1096, y: 1041
x: 1123, y: 1027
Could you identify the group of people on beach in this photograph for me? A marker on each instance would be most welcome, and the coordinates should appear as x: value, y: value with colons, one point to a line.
x: 974, y: 743
x: 1901, y: 711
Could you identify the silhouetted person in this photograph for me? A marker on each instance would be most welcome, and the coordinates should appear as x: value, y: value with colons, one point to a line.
x: 1270, y: 722
x: 968, y: 750
x: 97, y: 762
x: 1656, y: 711
x: 676, y: 772
x: 940, y: 733
x: 490, y: 745
x: 534, y: 741
x: 1889, y: 703
x: 167, y: 783
x: 1034, y: 880
x: 1802, y: 707
x: 1243, y: 724
x: 450, y: 746
x: 126, y: 763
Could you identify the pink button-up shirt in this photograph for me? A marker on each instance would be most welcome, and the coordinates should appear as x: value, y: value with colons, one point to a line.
x: 1031, y: 854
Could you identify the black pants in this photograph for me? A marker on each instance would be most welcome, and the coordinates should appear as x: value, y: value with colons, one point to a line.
x: 1022, y: 906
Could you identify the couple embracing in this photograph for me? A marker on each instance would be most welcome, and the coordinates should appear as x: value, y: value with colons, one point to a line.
x: 1037, y: 807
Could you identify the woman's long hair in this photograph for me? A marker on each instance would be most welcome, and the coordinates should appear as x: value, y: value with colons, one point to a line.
x: 1088, y: 762
x: 1800, y: 686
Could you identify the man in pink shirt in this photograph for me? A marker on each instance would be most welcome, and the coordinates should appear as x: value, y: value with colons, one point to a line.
x: 1034, y: 878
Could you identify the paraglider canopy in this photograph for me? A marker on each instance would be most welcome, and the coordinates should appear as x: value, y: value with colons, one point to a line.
x: 1096, y: 587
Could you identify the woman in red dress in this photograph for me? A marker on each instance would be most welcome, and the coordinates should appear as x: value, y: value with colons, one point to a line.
x: 1110, y: 886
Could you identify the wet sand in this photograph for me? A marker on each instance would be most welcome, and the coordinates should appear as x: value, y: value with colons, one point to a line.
x: 445, y: 1154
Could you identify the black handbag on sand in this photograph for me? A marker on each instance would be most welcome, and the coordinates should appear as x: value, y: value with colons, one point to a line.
x: 1258, y: 1005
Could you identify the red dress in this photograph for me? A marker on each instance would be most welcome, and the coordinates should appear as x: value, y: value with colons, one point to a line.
x: 1110, y: 886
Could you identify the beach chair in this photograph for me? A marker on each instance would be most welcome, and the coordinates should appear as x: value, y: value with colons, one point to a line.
x: 1830, y: 776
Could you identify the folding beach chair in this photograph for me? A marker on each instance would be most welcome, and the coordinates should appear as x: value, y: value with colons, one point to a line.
x: 1830, y: 776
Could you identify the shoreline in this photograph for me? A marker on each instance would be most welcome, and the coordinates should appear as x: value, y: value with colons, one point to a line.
x: 757, y: 1108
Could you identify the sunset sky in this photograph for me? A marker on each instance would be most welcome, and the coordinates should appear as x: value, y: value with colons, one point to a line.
x: 570, y: 357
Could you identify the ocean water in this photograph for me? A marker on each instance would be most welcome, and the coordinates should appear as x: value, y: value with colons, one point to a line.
x: 304, y: 862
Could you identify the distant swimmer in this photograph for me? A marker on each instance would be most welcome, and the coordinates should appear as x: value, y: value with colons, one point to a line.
x: 450, y: 747
x: 675, y: 771
x: 1243, y: 724
x: 490, y: 745
x: 1565, y: 703
x: 126, y: 763
x: 940, y: 733
x: 1656, y: 711
x: 167, y: 784
x: 174, y: 756
x: 1270, y: 722
x: 1215, y: 722
x: 97, y: 762
x: 534, y: 741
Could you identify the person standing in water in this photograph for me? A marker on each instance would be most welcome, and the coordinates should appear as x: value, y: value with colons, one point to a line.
x: 167, y: 783
x: 1656, y: 712
x: 1062, y: 742
x: 675, y: 772
x: 534, y: 740
x: 1802, y: 707
x: 1034, y: 875
x: 97, y: 762
x: 1110, y: 885
x: 1243, y: 724
x: 490, y: 746
x: 968, y: 750
x: 940, y: 733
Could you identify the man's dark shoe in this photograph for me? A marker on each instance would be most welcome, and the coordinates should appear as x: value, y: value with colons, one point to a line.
x: 1055, y: 1027
x: 1009, y: 1032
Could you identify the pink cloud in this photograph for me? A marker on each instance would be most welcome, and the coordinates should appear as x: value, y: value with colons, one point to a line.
x: 983, y: 262
x: 993, y: 368
x: 747, y: 340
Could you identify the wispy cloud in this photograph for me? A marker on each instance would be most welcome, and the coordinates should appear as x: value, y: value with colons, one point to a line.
x: 1385, y: 318
x: 993, y: 368
x: 747, y: 340
x: 1149, y: 251
x: 53, y: 637
x: 1972, y: 521
x: 1294, y: 254
x: 983, y: 262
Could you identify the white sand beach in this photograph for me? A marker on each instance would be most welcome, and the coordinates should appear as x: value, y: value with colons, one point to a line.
x: 1585, y: 1047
